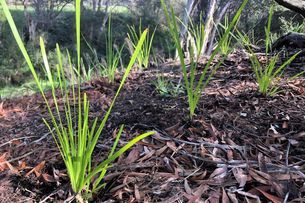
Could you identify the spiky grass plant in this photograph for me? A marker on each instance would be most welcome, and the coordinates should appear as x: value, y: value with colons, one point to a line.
x: 267, y: 75
x: 195, y: 34
x: 194, y: 90
x: 133, y: 37
x: 113, y: 55
x: 76, y: 141
x: 225, y: 46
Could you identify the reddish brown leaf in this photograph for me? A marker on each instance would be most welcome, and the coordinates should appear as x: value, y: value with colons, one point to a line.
x: 3, y: 165
x: 161, y: 150
x: 37, y: 169
x: 172, y: 146
x: 12, y: 168
x: 225, y: 198
x: 133, y: 155
x: 272, y: 198
x: 240, y: 176
x: 219, y: 173
x: 47, y: 178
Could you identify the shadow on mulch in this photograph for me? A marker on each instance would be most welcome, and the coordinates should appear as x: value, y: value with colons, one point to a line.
x: 240, y: 146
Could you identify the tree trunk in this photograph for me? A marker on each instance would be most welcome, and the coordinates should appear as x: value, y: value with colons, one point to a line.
x: 294, y: 5
x: 219, y: 18
x: 183, y: 28
x: 94, y: 5
x: 188, y: 10
x: 209, y: 24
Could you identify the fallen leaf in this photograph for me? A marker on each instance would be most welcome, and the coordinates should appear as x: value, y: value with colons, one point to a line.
x: 219, y: 173
x: 37, y: 170
x: 137, y: 192
x: 187, y: 187
x: 12, y: 169
x: 240, y: 176
x: 47, y: 178
x: 272, y: 198
x: 3, y: 160
x: 172, y: 146
x: 133, y: 155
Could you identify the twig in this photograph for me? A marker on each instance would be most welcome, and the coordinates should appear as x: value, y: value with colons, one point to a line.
x: 20, y: 157
x: 44, y: 136
x: 15, y: 139
x: 242, y: 149
x: 286, y: 198
x: 287, y: 154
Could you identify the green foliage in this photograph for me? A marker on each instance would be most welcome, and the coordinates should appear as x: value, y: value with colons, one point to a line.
x: 196, y: 35
x: 268, y: 42
x: 225, y: 46
x: 134, y: 36
x: 291, y: 26
x: 268, y: 75
x: 108, y: 66
x: 194, y: 90
x: 167, y: 88
x: 112, y: 55
x: 75, y: 140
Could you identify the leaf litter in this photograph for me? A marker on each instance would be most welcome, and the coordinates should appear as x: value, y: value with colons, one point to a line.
x: 240, y: 147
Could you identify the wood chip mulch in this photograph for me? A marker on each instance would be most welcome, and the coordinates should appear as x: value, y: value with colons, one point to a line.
x: 240, y: 146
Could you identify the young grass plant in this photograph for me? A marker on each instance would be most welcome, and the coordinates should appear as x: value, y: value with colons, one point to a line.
x: 75, y: 139
x: 196, y: 34
x: 225, y: 46
x: 194, y: 90
x: 133, y: 37
x: 112, y: 55
x: 167, y: 88
x: 267, y: 75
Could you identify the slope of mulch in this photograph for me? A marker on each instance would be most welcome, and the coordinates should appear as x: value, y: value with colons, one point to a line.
x: 240, y: 146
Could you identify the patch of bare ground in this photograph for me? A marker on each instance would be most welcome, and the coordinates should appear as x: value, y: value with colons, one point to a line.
x: 240, y: 146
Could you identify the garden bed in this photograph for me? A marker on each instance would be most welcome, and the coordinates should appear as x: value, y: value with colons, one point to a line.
x: 240, y: 146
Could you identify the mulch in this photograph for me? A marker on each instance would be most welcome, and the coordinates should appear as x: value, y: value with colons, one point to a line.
x: 240, y: 147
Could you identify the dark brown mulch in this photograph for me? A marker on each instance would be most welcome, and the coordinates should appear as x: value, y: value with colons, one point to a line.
x: 240, y: 146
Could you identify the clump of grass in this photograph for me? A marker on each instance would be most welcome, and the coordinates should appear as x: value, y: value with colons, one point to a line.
x: 113, y: 55
x: 196, y: 34
x: 76, y: 141
x: 193, y: 89
x: 133, y: 38
x: 267, y: 76
x: 167, y: 88
x: 225, y: 46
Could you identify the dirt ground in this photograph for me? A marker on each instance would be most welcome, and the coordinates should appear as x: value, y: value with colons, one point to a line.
x: 240, y: 146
